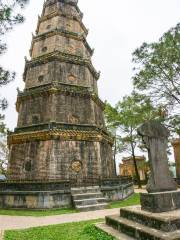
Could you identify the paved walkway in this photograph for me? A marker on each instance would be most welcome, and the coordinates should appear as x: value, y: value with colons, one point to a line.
x: 16, y: 222
x: 1, y: 234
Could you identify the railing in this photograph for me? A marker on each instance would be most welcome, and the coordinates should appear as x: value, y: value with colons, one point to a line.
x: 71, y: 182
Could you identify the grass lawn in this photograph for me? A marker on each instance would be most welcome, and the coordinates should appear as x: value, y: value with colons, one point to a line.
x: 133, y: 200
x: 70, y: 231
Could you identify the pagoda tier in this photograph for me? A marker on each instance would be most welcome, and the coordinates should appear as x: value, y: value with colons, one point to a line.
x: 60, y: 132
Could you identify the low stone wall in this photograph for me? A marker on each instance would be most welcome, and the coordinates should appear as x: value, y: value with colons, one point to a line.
x: 35, y: 195
x: 35, y: 200
x: 56, y: 194
x: 118, y: 192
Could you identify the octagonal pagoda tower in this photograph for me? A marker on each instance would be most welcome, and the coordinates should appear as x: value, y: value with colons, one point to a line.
x: 61, y: 131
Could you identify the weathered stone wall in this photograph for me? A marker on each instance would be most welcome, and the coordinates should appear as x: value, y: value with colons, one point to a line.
x: 119, y: 192
x: 60, y: 22
x: 59, y: 108
x: 62, y: 8
x: 59, y: 43
x: 44, y: 195
x: 35, y: 200
x: 60, y: 72
x: 54, y: 160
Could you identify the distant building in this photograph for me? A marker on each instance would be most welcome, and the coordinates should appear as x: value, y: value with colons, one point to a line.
x: 176, y: 146
x: 126, y: 168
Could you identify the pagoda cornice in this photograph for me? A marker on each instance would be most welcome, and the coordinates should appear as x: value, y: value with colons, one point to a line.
x: 63, y: 57
x: 60, y: 126
x: 68, y: 16
x: 64, y: 33
x: 63, y: 135
x: 50, y: 89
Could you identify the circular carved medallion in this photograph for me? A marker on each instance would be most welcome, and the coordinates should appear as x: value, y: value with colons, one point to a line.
x: 76, y: 166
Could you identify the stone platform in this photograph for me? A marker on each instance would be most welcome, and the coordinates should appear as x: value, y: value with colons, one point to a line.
x: 143, y: 225
x: 160, y: 201
x: 57, y: 194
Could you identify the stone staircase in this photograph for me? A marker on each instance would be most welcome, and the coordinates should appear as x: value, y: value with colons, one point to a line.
x: 133, y: 223
x: 88, y: 198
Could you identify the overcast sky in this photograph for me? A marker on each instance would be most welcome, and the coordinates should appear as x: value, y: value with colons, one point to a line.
x: 117, y: 28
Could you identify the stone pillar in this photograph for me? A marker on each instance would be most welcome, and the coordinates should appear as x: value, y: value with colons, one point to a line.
x: 176, y: 146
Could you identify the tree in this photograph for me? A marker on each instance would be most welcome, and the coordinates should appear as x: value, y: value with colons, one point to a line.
x: 126, y: 117
x: 3, y: 155
x: 157, y: 72
x: 8, y: 18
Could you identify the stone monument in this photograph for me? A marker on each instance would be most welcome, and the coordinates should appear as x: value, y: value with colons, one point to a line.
x: 161, y: 186
x: 61, y: 139
x: 155, y: 137
x: 158, y: 217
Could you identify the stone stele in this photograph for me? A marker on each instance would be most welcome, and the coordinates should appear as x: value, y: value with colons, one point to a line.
x: 155, y: 137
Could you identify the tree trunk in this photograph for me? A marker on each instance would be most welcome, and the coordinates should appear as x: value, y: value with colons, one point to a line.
x: 115, y: 150
x: 136, y: 168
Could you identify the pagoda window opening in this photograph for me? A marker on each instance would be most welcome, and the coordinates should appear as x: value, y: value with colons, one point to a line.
x: 35, y: 119
x: 28, y: 166
x: 41, y: 78
x: 48, y: 26
x: 44, y: 49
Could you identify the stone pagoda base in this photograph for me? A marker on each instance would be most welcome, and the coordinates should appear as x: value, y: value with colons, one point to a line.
x: 142, y: 225
x: 57, y: 194
x: 160, y: 201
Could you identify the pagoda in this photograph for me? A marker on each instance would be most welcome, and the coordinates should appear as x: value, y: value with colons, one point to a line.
x: 60, y: 150
x: 61, y: 132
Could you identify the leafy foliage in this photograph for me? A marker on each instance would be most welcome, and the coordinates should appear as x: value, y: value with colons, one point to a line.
x: 8, y: 18
x: 157, y: 72
x: 3, y: 155
x: 126, y: 117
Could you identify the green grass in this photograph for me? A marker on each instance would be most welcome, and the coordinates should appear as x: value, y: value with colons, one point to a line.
x: 70, y: 231
x: 133, y: 200
x: 37, y: 213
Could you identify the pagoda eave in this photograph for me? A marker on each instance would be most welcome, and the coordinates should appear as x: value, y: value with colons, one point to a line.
x: 63, y: 135
x: 63, y: 57
x: 72, y: 35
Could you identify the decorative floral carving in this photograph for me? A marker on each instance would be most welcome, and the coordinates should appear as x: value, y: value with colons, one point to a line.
x: 76, y: 166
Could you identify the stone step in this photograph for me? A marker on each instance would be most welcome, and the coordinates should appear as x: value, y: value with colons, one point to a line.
x: 89, y: 201
x: 167, y: 222
x: 87, y: 195
x: 93, y: 207
x: 113, y: 232
x: 81, y: 190
x: 139, y: 231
